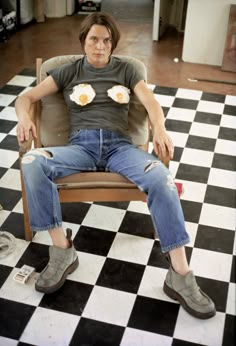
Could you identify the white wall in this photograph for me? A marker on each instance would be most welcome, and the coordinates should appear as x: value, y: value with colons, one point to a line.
x: 205, y: 31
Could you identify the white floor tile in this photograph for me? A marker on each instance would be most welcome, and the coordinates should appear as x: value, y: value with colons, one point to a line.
x: 89, y: 268
x: 192, y: 232
x: 225, y: 147
x: 22, y: 293
x: 218, y: 216
x: 164, y: 100
x: 8, y: 113
x: 48, y: 327
x: 193, y: 191
x: 12, y: 259
x: 204, y: 332
x: 5, y: 99
x: 131, y: 248
x: 204, y: 130
x: 197, y: 157
x: 210, y: 107
x: 222, y: 178
x: 8, y: 342
x: 211, y: 264
x: 231, y: 301
x: 152, y: 284
x: 228, y: 121
x: 139, y: 207
x: 21, y: 80
x: 104, y: 217
x: 8, y: 157
x: 109, y: 305
x: 230, y: 100
x: 181, y: 114
x: 135, y: 337
x: 2, y: 136
x: 189, y: 94
x: 11, y: 180
x: 179, y: 139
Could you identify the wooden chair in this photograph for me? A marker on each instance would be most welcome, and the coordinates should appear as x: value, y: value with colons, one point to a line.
x: 52, y: 122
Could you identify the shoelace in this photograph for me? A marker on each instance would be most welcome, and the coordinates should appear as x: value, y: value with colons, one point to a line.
x: 7, y: 243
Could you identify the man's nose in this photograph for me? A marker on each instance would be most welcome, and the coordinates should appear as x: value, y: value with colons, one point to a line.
x: 100, y: 44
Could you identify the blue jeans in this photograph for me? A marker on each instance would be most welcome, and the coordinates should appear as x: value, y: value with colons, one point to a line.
x: 93, y: 150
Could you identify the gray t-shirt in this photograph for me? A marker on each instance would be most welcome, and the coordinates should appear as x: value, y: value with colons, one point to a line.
x: 103, y: 111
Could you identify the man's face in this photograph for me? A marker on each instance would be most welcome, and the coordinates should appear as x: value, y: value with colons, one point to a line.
x: 98, y: 46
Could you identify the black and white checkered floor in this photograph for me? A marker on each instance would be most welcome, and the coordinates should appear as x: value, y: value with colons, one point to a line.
x: 115, y: 297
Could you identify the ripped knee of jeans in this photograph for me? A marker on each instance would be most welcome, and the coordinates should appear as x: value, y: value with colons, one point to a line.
x: 151, y: 165
x: 30, y: 156
x: 169, y: 178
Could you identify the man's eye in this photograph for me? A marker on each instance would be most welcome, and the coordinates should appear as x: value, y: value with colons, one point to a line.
x: 107, y: 40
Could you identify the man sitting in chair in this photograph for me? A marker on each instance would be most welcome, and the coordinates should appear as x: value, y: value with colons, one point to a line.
x: 97, y: 90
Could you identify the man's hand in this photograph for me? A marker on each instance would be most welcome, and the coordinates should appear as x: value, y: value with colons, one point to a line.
x: 163, y: 145
x: 23, y: 129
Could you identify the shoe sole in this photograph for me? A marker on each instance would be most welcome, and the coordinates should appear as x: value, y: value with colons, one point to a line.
x: 174, y: 295
x: 56, y: 287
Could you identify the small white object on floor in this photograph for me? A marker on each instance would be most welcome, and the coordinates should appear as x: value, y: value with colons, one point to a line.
x: 7, y: 243
x: 23, y: 274
x: 176, y: 60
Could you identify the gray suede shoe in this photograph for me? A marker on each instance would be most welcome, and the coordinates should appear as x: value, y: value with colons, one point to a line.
x: 61, y: 263
x: 184, y: 288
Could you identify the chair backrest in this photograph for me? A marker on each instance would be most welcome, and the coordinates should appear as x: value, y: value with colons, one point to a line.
x: 54, y: 128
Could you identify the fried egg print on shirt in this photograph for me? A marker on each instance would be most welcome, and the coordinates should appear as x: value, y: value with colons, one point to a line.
x: 119, y: 93
x: 83, y: 94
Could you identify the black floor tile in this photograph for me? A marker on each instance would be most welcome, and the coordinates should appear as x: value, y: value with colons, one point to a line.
x: 165, y: 91
x: 185, y: 103
x: 217, y: 290
x: 9, y: 143
x: 7, y: 125
x: 36, y: 255
x: 2, y: 172
x: 15, y: 225
x: 153, y: 315
x: 91, y: 332
x: 207, y: 118
x: 213, y: 97
x: 74, y: 212
x: 229, y: 337
x: 92, y: 240
x: 227, y: 133
x: 214, y: 239
x: 9, y: 89
x: 229, y: 110
x: 226, y: 162
x: 4, y: 273
x: 220, y: 196
x: 193, y: 173
x: 157, y: 258
x: 70, y: 298
x: 14, y: 318
x: 191, y: 210
x: 233, y: 271
x: 178, y: 126
x: 9, y: 198
x: 201, y: 143
x: 121, y: 275
x: 137, y: 224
